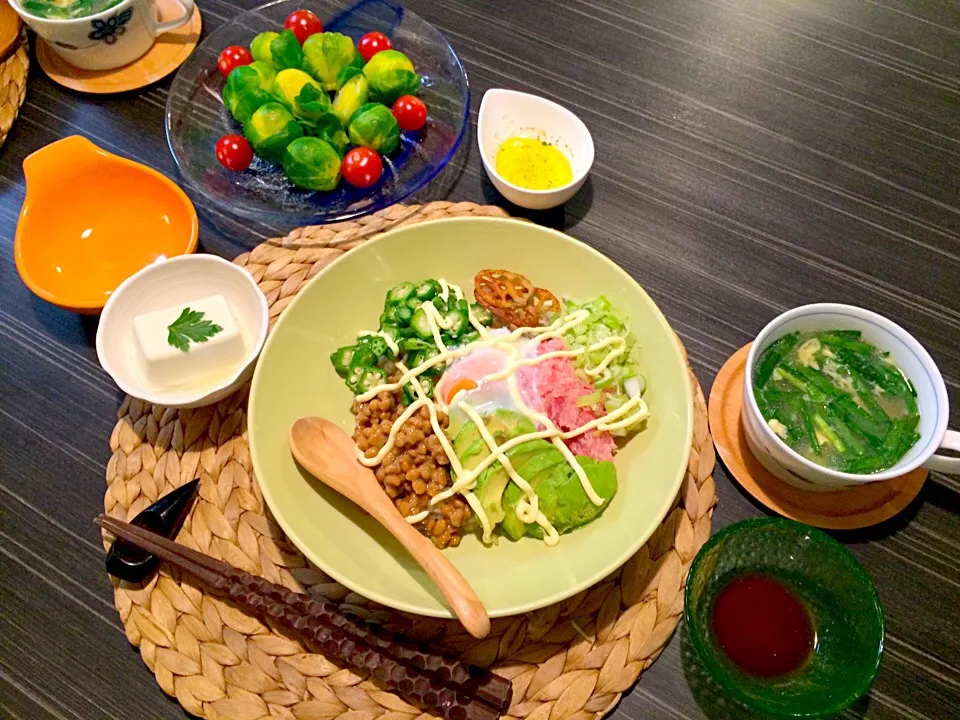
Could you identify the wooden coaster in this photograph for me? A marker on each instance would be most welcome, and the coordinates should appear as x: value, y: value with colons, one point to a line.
x: 848, y: 509
x: 570, y: 661
x: 167, y: 54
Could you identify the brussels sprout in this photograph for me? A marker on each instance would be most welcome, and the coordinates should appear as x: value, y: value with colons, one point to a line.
x: 285, y: 51
x: 325, y: 55
x: 266, y: 72
x: 311, y: 163
x: 329, y: 129
x: 270, y: 129
x: 391, y: 75
x: 312, y: 103
x: 375, y: 127
x: 260, y: 47
x: 289, y: 84
x: 348, y: 72
x: 350, y: 97
x: 242, y: 95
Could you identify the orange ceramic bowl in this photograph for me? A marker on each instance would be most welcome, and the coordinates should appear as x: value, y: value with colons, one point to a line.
x: 91, y: 219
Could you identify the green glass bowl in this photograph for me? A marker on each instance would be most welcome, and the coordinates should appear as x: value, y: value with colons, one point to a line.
x: 842, y: 600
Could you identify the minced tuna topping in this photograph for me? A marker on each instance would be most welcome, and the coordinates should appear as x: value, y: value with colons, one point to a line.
x: 553, y: 388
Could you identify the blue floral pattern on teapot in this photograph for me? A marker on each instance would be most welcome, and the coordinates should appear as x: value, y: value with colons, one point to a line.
x: 112, y: 28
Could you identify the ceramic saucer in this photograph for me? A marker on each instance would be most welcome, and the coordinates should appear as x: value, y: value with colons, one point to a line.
x: 847, y: 509
x: 166, y: 55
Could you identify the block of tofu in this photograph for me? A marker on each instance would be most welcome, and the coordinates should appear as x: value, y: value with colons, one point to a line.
x: 166, y: 366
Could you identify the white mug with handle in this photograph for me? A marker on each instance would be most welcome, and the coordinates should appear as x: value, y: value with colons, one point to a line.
x: 108, y: 39
x: 906, y: 352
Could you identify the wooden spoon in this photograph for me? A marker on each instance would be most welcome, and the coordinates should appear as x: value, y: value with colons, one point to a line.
x: 329, y: 454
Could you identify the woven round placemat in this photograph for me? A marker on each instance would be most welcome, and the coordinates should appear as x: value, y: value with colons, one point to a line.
x: 13, y: 83
x: 570, y: 661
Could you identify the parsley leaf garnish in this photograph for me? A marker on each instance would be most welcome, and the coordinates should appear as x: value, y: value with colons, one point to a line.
x: 190, y: 327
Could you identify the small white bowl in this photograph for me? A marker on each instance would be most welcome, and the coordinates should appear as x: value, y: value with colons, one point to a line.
x: 507, y: 113
x: 169, y: 282
x: 916, y: 363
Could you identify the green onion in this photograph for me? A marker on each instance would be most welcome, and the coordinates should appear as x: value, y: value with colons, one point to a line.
x: 772, y: 356
x: 793, y: 380
x: 591, y: 399
x: 810, y: 427
x: 829, y: 433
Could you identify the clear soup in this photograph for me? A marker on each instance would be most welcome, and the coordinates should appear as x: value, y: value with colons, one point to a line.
x: 837, y: 400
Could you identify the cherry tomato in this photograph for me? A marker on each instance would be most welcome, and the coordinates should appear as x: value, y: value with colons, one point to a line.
x: 410, y: 112
x: 304, y: 24
x: 361, y: 167
x: 372, y: 43
x: 232, y: 57
x: 234, y: 152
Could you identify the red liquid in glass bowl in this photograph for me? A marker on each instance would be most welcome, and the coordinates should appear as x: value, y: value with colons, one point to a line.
x: 762, y: 627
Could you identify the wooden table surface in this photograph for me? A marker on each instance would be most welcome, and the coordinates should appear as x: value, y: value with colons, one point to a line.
x: 752, y: 155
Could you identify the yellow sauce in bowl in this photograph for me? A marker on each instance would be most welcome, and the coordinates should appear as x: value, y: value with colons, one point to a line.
x: 533, y: 164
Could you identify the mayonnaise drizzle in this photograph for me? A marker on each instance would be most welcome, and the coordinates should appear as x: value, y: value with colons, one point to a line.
x: 611, y: 356
x: 600, y: 369
x: 528, y: 508
x: 558, y: 328
x: 436, y: 322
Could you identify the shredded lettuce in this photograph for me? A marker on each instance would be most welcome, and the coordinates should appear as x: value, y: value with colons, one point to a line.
x: 591, y: 399
x: 621, y: 380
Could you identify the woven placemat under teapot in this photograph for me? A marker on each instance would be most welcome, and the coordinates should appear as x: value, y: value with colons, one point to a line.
x: 571, y: 661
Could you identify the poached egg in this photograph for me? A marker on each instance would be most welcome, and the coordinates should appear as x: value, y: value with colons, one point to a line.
x: 467, y: 379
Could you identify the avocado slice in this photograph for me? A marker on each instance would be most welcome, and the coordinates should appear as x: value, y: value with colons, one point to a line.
x: 467, y: 436
x: 512, y: 526
x: 506, y: 424
x: 503, y: 425
x: 534, y: 471
x: 493, y: 480
x: 561, y: 498
x: 564, y: 501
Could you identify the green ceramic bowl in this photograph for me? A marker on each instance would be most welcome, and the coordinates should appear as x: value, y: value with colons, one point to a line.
x: 846, y: 611
x: 294, y: 378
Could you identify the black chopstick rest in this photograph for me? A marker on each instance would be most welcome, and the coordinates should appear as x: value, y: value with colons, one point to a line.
x: 165, y: 517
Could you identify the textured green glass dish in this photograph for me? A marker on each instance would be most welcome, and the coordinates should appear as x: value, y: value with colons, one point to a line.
x: 846, y: 611
x: 295, y: 378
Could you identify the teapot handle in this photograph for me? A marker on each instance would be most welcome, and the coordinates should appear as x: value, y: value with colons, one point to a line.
x: 942, y: 463
x: 162, y: 27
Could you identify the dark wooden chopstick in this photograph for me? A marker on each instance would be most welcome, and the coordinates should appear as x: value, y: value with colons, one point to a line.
x: 455, y: 689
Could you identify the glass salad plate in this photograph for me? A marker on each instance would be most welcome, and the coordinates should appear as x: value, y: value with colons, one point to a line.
x: 295, y: 378
x: 196, y: 117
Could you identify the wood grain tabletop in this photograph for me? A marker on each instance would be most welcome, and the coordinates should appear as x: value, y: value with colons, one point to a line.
x: 751, y: 156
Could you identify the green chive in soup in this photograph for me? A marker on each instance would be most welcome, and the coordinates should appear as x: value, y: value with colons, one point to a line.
x: 837, y: 400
